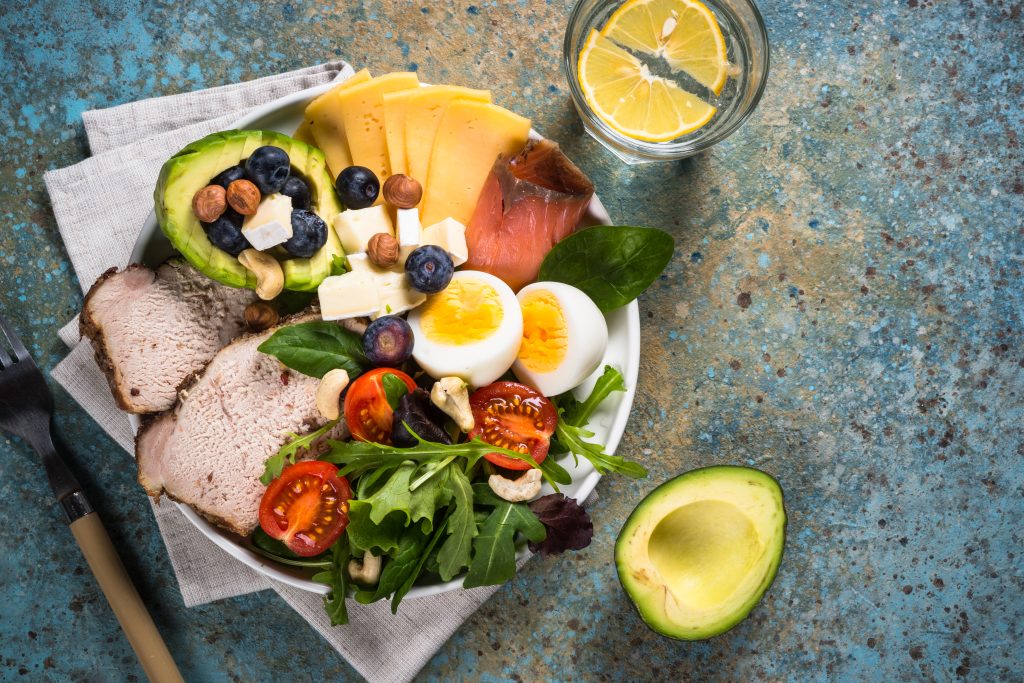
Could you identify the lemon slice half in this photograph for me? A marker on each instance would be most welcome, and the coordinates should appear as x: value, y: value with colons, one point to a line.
x: 683, y: 32
x: 623, y: 93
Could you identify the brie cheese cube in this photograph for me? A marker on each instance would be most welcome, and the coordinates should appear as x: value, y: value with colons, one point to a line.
x: 396, y: 294
x: 271, y: 225
x: 348, y: 296
x: 450, y: 235
x: 408, y: 227
x: 355, y: 227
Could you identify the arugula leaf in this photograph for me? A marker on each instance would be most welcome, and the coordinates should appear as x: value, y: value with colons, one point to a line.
x: 572, y: 438
x: 494, y: 550
x: 394, y: 389
x: 410, y: 579
x: 456, y: 551
x: 334, y: 576
x: 554, y: 472
x: 612, y: 264
x: 263, y: 544
x: 286, y: 456
x: 398, y: 568
x: 568, y: 524
x: 358, y: 457
x: 316, y: 347
x: 577, y: 413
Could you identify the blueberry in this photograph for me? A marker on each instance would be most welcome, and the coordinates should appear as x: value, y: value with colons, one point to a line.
x: 357, y: 187
x: 268, y: 168
x: 296, y: 188
x: 226, y: 233
x: 388, y: 341
x: 309, y: 233
x: 429, y: 268
x: 228, y: 176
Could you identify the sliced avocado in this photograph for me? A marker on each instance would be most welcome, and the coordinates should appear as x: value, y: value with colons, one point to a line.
x: 699, y: 551
x: 193, y: 167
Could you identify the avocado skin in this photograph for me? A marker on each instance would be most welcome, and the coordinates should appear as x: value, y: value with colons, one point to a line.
x: 196, y: 164
x: 744, y: 609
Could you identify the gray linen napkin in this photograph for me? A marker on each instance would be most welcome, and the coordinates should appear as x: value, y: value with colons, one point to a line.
x: 100, y: 205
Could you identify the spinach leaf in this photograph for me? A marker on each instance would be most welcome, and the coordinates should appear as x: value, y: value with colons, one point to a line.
x: 494, y: 550
x: 612, y: 264
x: 334, y: 576
x: 365, y: 534
x: 286, y: 456
x: 394, y: 389
x: 316, y: 347
x: 455, y: 552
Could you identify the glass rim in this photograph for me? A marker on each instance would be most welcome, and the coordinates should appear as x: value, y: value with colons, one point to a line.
x: 660, y: 151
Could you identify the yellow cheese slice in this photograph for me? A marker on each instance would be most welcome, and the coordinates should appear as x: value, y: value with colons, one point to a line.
x: 326, y: 128
x: 362, y: 110
x: 424, y: 109
x: 469, y: 139
x: 395, y: 105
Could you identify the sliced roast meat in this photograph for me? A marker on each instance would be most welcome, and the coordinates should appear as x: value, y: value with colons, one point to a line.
x: 210, y: 450
x: 151, y: 330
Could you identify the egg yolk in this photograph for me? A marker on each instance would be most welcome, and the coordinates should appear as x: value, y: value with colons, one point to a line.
x: 464, y: 313
x: 545, y: 333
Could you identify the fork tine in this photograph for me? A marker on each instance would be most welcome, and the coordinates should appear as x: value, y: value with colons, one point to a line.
x: 19, y: 349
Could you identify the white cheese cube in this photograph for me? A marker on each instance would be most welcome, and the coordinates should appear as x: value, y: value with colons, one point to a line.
x: 271, y: 225
x: 450, y: 235
x: 356, y: 227
x: 361, y: 263
x: 396, y: 294
x: 348, y: 296
x: 408, y: 227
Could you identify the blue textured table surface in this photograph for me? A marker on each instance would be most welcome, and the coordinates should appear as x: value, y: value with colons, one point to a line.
x: 844, y: 310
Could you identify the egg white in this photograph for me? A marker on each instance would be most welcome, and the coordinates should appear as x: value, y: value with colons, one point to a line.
x: 478, y: 363
x: 587, y: 340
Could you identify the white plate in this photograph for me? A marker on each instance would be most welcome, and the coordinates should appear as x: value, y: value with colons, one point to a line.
x: 608, y: 422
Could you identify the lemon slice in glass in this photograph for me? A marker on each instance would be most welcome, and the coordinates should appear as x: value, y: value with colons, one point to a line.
x: 623, y: 93
x: 683, y: 32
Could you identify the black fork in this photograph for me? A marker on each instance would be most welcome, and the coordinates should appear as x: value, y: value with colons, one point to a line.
x: 26, y: 408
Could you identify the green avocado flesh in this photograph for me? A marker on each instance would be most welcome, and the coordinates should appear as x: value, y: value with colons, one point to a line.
x: 192, y: 168
x: 700, y: 550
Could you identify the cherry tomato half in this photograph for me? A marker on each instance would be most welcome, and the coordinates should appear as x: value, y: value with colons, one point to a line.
x: 513, y: 416
x: 366, y: 406
x: 306, y: 508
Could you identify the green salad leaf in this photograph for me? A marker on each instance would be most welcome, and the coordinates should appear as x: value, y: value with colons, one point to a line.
x: 286, y: 456
x: 394, y: 389
x: 397, y: 569
x: 456, y: 550
x: 612, y: 264
x: 334, y: 576
x: 314, y: 348
x: 494, y: 550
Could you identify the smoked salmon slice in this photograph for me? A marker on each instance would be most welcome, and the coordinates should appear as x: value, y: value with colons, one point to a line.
x: 529, y: 202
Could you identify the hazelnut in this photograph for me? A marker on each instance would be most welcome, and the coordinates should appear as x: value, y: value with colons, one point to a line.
x: 402, y: 191
x: 243, y: 196
x: 383, y: 250
x: 209, y: 203
x: 260, y: 316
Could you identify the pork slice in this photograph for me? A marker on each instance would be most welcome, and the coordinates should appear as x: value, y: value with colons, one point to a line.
x: 151, y: 330
x: 210, y: 450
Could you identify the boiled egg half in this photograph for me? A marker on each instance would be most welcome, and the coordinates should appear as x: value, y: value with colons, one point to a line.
x: 472, y: 329
x: 564, y: 337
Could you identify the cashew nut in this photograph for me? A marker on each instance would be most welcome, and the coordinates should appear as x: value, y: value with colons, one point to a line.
x: 268, y: 271
x: 328, y: 393
x: 366, y: 571
x: 451, y: 395
x: 516, y: 490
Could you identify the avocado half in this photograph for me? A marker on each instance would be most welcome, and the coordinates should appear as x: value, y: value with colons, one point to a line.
x: 193, y: 167
x: 699, y: 551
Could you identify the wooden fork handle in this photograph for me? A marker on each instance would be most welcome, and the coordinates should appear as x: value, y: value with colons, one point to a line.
x: 138, y: 626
